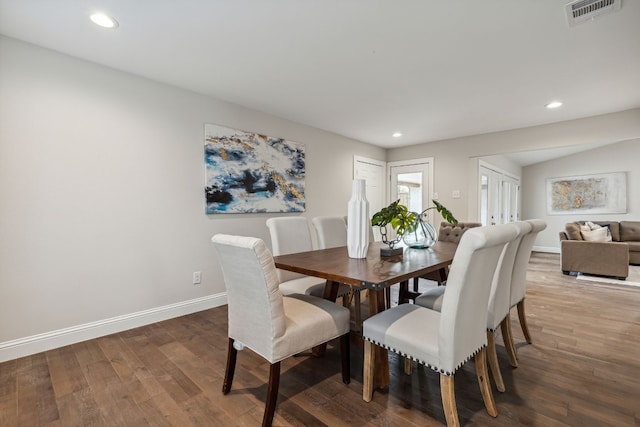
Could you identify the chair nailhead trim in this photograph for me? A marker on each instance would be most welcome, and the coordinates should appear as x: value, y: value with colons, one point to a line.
x: 432, y: 367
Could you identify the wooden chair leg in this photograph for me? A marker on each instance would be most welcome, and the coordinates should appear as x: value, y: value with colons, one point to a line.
x: 367, y: 374
x: 509, y: 344
x: 493, y: 361
x: 408, y: 366
x: 232, y: 354
x: 416, y: 284
x: 345, y: 352
x: 523, y: 322
x: 346, y: 300
x: 272, y: 394
x: 350, y: 297
x: 449, y: 400
x: 485, y: 388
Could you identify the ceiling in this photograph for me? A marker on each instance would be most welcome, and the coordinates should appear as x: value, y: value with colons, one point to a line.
x: 526, y: 158
x: 364, y: 69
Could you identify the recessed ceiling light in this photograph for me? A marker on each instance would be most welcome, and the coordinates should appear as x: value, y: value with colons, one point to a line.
x: 554, y: 104
x: 103, y: 20
x: 397, y: 134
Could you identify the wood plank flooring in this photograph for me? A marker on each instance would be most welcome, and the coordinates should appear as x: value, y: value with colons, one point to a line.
x: 583, y: 369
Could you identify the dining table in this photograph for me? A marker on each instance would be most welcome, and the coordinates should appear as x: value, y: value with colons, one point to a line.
x: 374, y: 272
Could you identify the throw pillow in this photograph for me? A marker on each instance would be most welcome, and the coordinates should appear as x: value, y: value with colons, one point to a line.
x: 601, y: 234
x: 573, y: 231
x: 593, y: 225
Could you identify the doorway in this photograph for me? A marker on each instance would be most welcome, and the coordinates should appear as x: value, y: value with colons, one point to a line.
x: 498, y: 196
x: 412, y: 184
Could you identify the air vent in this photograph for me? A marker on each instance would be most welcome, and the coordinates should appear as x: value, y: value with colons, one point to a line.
x: 580, y: 11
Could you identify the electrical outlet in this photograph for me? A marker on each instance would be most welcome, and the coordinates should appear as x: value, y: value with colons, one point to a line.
x: 436, y: 196
x: 196, y: 278
x: 455, y: 194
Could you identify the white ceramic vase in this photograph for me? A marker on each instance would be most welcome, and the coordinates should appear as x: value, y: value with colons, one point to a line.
x: 358, y: 221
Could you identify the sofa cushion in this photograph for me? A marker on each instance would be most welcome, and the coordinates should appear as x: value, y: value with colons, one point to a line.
x: 601, y: 234
x: 634, y: 252
x: 630, y: 231
x: 573, y: 231
x: 614, y: 227
x: 633, y: 246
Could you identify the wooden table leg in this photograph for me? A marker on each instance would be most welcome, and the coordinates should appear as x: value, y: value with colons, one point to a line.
x: 331, y: 294
x: 357, y: 311
x: 381, y: 358
x: 443, y: 272
x: 404, y: 294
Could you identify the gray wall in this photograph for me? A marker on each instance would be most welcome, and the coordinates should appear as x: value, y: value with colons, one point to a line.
x: 620, y: 157
x: 102, y: 192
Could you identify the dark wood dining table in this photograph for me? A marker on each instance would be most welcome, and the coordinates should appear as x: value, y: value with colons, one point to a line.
x: 374, y: 272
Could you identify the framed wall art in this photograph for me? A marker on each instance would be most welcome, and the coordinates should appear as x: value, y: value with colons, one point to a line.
x: 247, y: 172
x: 604, y: 193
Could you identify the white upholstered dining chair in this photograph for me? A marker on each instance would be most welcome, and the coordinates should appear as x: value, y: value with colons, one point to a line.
x: 290, y: 234
x: 446, y: 233
x: 273, y: 325
x: 445, y: 340
x: 499, y: 298
x: 331, y: 231
x: 519, y: 284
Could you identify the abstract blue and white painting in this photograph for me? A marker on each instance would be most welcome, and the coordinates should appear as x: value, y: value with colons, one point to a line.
x: 248, y: 172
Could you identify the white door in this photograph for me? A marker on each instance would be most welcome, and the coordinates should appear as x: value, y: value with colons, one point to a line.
x: 373, y: 172
x: 490, y: 189
x: 498, y: 197
x: 412, y: 184
x: 510, y: 194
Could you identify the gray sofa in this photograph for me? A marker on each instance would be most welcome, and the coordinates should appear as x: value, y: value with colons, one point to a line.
x: 601, y: 258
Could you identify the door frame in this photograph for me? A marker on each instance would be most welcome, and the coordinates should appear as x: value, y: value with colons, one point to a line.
x: 429, y: 161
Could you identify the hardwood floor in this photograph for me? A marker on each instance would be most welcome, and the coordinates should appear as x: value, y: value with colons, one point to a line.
x: 583, y: 369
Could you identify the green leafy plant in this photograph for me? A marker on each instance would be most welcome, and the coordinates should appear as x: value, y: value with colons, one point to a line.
x: 404, y: 221
x: 395, y: 214
x: 444, y: 212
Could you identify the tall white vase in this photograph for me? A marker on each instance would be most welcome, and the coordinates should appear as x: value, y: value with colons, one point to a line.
x: 358, y: 221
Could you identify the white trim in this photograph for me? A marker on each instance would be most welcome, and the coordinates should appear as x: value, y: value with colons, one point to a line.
x: 361, y: 159
x: 498, y: 170
x: 548, y: 249
x: 21, y: 347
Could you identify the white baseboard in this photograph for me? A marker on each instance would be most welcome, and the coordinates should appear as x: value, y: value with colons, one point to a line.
x: 21, y: 347
x: 549, y: 249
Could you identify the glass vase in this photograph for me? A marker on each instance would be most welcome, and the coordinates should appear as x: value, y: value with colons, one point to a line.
x: 422, y: 235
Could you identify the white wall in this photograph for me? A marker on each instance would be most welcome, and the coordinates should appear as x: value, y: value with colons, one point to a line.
x: 102, y: 196
x: 620, y: 157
